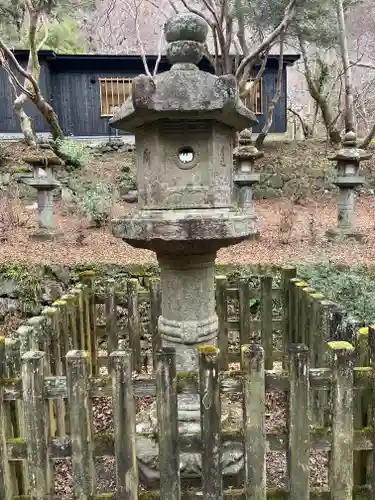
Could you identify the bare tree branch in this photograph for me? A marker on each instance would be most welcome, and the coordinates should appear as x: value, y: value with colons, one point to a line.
x: 343, y: 42
x: 289, y: 15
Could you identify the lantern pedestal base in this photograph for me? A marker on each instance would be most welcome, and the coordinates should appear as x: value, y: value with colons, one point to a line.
x: 232, y: 458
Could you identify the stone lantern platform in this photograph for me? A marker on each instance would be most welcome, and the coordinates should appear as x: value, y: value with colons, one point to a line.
x: 184, y: 121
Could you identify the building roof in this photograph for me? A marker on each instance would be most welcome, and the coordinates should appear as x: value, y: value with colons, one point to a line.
x: 117, y: 61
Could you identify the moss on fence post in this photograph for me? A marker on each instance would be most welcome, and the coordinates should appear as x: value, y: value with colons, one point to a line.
x: 166, y: 404
x: 341, y: 477
x: 111, y: 317
x: 299, y: 420
x: 134, y: 323
x: 254, y: 421
x: 221, y: 282
x: 36, y: 429
x: 209, y: 389
x: 155, y: 312
x: 80, y: 424
x: 88, y: 278
x: 287, y: 273
x: 6, y: 483
x: 124, y: 425
x: 266, y: 320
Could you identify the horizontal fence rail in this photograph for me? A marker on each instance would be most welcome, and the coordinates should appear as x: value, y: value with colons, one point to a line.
x: 35, y: 450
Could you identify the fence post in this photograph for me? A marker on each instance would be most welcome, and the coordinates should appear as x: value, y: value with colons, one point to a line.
x: 124, y: 425
x: 71, y: 320
x: 244, y: 311
x: 88, y: 279
x: 371, y: 348
x: 266, y: 320
x: 80, y: 424
x: 222, y: 314
x: 299, y: 420
x: 6, y: 486
x: 52, y: 333
x: 362, y: 408
x: 305, y: 318
x: 293, y: 311
x: 315, y: 328
x: 166, y: 403
x: 254, y: 421
x: 111, y: 317
x: 36, y: 429
x: 299, y: 310
x: 63, y: 325
x: 77, y: 292
x: 287, y: 273
x: 155, y: 312
x: 209, y: 389
x: 14, y: 409
x: 341, y: 477
x: 134, y: 323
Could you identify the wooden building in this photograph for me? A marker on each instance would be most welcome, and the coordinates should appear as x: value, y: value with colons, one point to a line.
x: 84, y: 89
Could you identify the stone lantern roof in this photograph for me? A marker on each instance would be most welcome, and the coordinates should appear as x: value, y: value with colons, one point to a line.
x: 199, y: 95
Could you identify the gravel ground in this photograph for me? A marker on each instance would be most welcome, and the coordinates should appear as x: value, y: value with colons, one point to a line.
x: 289, y: 234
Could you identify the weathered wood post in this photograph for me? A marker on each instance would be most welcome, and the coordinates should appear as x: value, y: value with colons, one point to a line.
x: 254, y: 421
x: 341, y: 477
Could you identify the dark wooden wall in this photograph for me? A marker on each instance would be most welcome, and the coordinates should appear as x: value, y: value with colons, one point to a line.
x: 279, y: 123
x: 8, y: 120
x: 72, y: 87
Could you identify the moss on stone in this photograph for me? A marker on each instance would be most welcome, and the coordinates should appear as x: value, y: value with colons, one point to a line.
x: 105, y: 437
x: 49, y: 311
x: 363, y: 331
x: 16, y: 440
x: 59, y: 302
x: 302, y: 284
x: 340, y: 345
x: 208, y: 349
x: 186, y: 379
x: 10, y: 381
x: 149, y: 495
x: 364, y: 372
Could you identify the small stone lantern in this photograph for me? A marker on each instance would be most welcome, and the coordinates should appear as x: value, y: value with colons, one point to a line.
x: 184, y: 121
x: 348, y: 161
x: 44, y: 184
x: 245, y: 156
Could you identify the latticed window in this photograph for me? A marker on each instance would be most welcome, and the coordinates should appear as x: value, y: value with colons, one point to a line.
x: 253, y: 99
x: 113, y: 93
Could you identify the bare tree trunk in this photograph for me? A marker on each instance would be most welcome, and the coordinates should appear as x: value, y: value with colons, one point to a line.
x: 50, y: 116
x: 343, y: 42
x: 33, y: 67
x: 30, y: 90
x: 324, y: 106
x: 24, y: 119
x: 271, y: 108
x: 306, y: 129
x: 367, y: 141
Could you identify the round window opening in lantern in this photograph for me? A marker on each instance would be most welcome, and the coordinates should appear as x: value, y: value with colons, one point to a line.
x: 186, y: 156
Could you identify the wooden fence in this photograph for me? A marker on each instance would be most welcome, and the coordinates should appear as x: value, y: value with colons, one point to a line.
x: 36, y: 450
x: 288, y: 314
x: 273, y: 315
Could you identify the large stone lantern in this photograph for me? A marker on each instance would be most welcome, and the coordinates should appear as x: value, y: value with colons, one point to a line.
x: 184, y: 121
